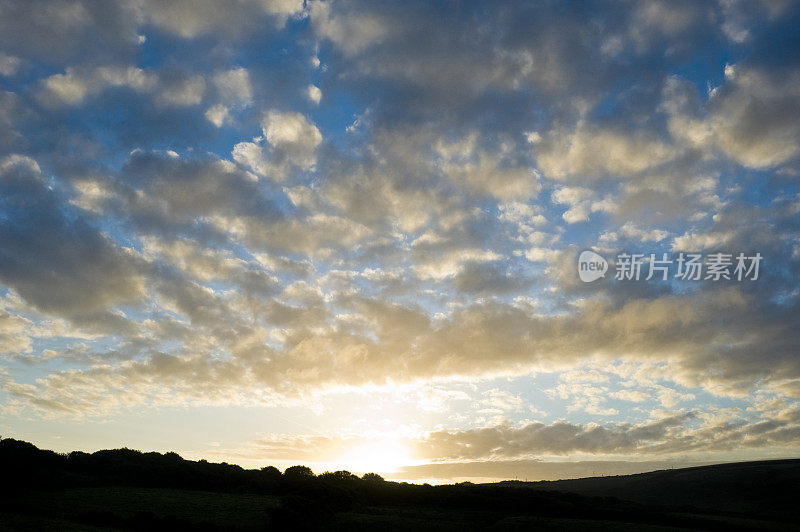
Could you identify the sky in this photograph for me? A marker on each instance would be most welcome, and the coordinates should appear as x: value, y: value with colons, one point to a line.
x: 348, y: 234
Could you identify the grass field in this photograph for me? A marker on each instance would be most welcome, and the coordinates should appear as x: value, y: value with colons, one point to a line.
x: 130, y: 508
x: 126, y: 506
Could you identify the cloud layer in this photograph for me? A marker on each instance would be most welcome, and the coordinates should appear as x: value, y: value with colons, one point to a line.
x: 280, y: 203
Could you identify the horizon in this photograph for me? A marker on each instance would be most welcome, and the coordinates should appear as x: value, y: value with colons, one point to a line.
x: 517, y: 468
x: 425, y: 241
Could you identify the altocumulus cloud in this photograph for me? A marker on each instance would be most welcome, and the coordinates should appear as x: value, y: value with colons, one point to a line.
x: 282, y: 204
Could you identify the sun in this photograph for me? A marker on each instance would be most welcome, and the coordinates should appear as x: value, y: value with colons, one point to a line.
x: 379, y: 456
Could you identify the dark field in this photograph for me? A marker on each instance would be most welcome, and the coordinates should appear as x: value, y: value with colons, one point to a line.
x: 129, y: 490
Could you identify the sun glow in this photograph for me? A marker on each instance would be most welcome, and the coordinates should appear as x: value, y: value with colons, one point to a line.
x: 378, y: 456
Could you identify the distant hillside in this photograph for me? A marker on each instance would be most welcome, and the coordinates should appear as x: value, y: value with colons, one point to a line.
x: 765, y: 487
x: 125, y: 489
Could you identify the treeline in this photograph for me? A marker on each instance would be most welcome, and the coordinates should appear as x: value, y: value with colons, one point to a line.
x: 31, y: 467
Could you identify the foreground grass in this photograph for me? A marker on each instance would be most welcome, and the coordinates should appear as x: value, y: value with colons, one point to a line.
x: 394, y: 519
x: 132, y: 508
x: 127, y: 507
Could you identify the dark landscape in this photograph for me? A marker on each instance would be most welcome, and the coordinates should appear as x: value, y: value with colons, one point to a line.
x: 124, y: 489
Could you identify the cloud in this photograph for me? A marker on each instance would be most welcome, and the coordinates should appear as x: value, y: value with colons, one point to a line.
x: 754, y: 115
x: 738, y: 17
x: 187, y: 220
x: 14, y: 337
x: 478, y: 341
x: 293, y: 136
x: 181, y: 90
x: 536, y: 439
x: 9, y: 64
x: 588, y: 153
x: 65, y: 32
x: 581, y: 201
x: 234, y: 85
x: 540, y: 451
x: 750, y: 117
x: 191, y: 19
x: 75, y: 85
x: 353, y: 31
x: 173, y: 88
x: 207, y: 265
x: 291, y: 141
x: 57, y: 261
x: 498, y: 172
x: 314, y: 94
x: 670, y: 436
x: 168, y: 195
x: 631, y: 231
x: 218, y: 114
x: 489, y: 278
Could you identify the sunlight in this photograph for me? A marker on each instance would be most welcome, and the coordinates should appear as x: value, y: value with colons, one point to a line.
x: 379, y: 456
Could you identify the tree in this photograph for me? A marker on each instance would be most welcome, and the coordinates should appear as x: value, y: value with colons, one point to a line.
x: 298, y: 472
x: 372, y: 477
x: 270, y: 472
x: 339, y: 476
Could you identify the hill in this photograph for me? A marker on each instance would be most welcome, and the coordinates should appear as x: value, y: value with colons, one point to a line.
x: 767, y: 487
x: 124, y: 489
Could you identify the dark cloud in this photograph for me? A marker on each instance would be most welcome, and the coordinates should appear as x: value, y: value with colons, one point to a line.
x: 64, y: 31
x: 489, y: 278
x: 560, y: 438
x: 53, y: 257
x: 672, y: 435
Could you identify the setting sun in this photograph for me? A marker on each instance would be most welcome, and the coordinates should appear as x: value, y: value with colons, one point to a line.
x: 378, y: 456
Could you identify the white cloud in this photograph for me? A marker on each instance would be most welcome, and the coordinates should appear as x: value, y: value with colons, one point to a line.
x: 293, y: 135
x: 587, y: 153
x: 352, y: 32
x: 76, y: 84
x: 631, y: 230
x: 289, y: 140
x: 234, y: 86
x: 9, y: 64
x: 182, y: 91
x: 314, y: 94
x: 487, y: 171
x: 218, y: 115
x: 582, y: 202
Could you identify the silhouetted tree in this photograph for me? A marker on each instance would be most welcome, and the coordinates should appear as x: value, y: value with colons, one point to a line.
x: 298, y: 472
x: 270, y: 473
x: 372, y: 477
x: 339, y: 476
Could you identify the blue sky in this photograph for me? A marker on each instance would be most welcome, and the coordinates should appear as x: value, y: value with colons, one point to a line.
x: 346, y: 234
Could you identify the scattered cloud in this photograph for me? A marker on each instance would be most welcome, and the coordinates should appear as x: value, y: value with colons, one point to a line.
x: 186, y: 218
